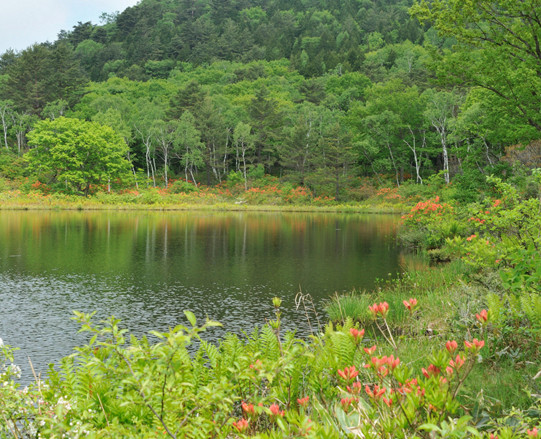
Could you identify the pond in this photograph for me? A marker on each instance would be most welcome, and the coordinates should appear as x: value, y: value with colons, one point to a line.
x: 147, y: 267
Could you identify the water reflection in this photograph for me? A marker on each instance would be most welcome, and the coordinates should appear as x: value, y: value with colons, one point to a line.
x: 147, y: 267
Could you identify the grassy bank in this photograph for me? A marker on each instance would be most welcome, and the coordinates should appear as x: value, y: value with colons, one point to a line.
x: 265, y: 194
x: 16, y: 200
x: 448, y: 302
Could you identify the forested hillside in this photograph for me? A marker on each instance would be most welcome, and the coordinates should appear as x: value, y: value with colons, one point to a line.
x: 149, y: 39
x: 316, y: 93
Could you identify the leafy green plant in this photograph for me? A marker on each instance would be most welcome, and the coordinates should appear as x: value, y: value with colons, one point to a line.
x: 17, y: 406
x: 181, y: 186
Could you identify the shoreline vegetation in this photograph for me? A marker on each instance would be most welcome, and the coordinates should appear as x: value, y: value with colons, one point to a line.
x: 25, y: 203
x: 445, y: 350
x: 264, y: 195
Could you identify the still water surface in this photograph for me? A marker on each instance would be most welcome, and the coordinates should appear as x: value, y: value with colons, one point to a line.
x: 147, y: 267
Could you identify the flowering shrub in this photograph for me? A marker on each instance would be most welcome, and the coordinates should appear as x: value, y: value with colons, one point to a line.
x: 504, y: 235
x: 429, y: 223
x: 267, y: 385
x: 389, y: 194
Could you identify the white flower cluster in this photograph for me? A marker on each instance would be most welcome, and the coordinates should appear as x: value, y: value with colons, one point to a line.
x: 9, y: 372
x: 65, y: 402
x: 15, y: 370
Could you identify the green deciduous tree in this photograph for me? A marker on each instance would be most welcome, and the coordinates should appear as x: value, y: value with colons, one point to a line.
x: 498, y: 49
x: 244, y: 145
x: 164, y: 135
x: 187, y: 145
x: 390, y: 128
x: 144, y: 120
x: 302, y: 134
x: 441, y: 110
x: 76, y: 153
x: 5, y: 113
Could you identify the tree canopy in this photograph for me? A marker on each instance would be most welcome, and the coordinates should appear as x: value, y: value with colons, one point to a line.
x: 76, y: 153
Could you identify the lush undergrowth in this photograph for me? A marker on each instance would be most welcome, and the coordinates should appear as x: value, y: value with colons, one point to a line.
x: 346, y: 381
x: 505, y: 375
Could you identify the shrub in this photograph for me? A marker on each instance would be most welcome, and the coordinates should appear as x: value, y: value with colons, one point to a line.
x: 429, y: 223
x: 181, y: 186
x: 235, y: 178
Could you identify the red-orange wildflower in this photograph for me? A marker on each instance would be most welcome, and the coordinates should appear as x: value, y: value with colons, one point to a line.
x: 248, y: 408
x: 376, y: 392
x: 475, y: 345
x: 348, y: 373
x: 257, y: 365
x: 241, y: 425
x: 482, y: 316
x: 381, y: 308
x: 355, y: 387
x: 431, y: 371
x: 275, y: 410
x: 451, y: 346
x: 387, y: 401
x: 303, y: 401
x: 392, y: 362
x: 371, y: 350
x: 357, y: 334
x: 410, y: 304
x: 346, y: 403
x: 457, y: 363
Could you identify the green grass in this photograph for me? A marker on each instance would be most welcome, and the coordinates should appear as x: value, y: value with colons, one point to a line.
x: 501, y: 385
x: 436, y: 289
x: 447, y: 304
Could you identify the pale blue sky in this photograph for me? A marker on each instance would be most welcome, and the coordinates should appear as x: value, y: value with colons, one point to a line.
x: 25, y: 22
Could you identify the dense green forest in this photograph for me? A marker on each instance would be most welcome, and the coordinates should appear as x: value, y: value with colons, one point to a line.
x: 314, y: 92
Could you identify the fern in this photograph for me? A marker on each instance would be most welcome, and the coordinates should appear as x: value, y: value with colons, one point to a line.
x: 269, y: 344
x: 343, y: 349
x: 212, y: 353
x: 68, y: 375
x: 531, y: 306
x: 514, y: 304
x: 496, y: 308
